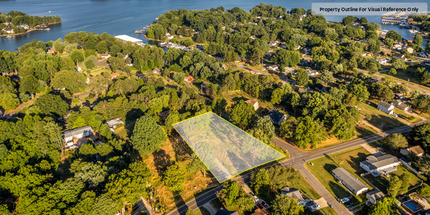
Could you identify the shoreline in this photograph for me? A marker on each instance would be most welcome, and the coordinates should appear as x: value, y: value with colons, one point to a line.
x: 31, y: 30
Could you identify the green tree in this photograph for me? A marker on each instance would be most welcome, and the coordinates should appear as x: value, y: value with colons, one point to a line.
x: 77, y: 56
x: 285, y: 205
x: 395, y: 141
x: 260, y: 182
x: 327, y: 76
x: 264, y: 130
x: 70, y: 80
x: 277, y: 96
x: 387, y: 206
x: 418, y: 39
x: 394, y: 186
x: 424, y: 190
x: 309, y: 132
x: 392, y: 71
x: 147, y: 136
x: 90, y: 64
x: 9, y: 101
x: 394, y: 35
x: 29, y: 84
x: 302, y: 77
x: 405, y: 178
x: 241, y: 113
x: 93, y: 174
x: 52, y: 104
x: 174, y: 178
x: 420, y: 135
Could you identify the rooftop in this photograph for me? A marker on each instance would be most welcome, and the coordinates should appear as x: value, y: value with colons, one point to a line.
x: 275, y: 115
x: 385, y: 104
x: 77, y: 131
x: 349, y: 179
x: 375, y: 162
x: 251, y: 101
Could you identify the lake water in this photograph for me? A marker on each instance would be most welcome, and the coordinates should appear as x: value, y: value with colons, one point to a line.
x: 125, y: 16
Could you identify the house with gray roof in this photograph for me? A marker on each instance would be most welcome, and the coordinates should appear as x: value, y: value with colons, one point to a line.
x: 386, y: 107
x: 293, y: 193
x: 352, y: 183
x: 374, y: 196
x: 399, y: 104
x: 380, y: 165
x: 77, y: 133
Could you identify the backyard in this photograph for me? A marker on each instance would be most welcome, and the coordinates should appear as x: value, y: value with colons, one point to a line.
x: 350, y: 160
x: 377, y: 118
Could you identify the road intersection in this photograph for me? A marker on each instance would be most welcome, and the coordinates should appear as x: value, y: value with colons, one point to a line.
x: 298, y: 160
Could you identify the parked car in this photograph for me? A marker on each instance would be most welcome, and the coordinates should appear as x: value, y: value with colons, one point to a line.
x: 265, y: 205
x: 259, y: 206
x: 310, y: 203
x: 344, y: 200
x: 348, y: 204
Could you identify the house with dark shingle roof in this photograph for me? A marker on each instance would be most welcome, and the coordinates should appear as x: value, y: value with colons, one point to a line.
x: 293, y: 193
x: 380, y: 165
x: 399, y: 104
x: 349, y: 181
x: 386, y: 107
x: 374, y: 196
x: 277, y: 117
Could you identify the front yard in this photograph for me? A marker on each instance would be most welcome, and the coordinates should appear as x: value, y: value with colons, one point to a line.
x: 377, y: 118
x: 350, y: 160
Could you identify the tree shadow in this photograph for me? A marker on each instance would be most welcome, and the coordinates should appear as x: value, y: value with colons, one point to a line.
x: 338, y: 190
x: 329, y: 167
x: 182, y: 149
x: 179, y: 201
x: 354, y: 162
x: 161, y: 161
x: 130, y: 119
x: 237, y: 99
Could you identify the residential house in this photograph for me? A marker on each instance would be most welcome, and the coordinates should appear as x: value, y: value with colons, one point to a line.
x: 374, y: 80
x: 293, y: 193
x: 297, y: 47
x: 25, y: 26
x: 349, y: 181
x: 302, y: 17
x: 254, y: 103
x: 374, y: 196
x: 77, y: 133
x: 8, y: 30
x: 79, y: 69
x: 105, y: 56
x: 289, y: 70
x: 312, y: 72
x: 50, y: 50
x: 272, y: 68
x: 113, y: 123
x: 276, y: 117
x: 410, y: 50
x: 398, y: 46
x: 156, y: 71
x: 306, y: 50
x: 113, y: 76
x: 423, y: 55
x: 253, y: 37
x: 7, y: 23
x: 385, y: 52
x: 415, y: 149
x: 426, y: 63
x: 189, y: 79
x: 399, y: 56
x: 170, y: 37
x: 383, y: 60
x: 409, y: 41
x: 380, y: 165
x: 273, y: 43
x: 386, y: 107
x: 399, y: 104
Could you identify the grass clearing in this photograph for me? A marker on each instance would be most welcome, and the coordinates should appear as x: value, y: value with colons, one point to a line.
x: 377, y: 118
x: 382, y: 182
x: 405, y: 116
x: 350, y: 160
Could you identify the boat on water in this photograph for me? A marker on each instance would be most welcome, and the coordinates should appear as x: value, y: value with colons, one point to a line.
x: 138, y: 32
x: 412, y: 31
x: 9, y: 36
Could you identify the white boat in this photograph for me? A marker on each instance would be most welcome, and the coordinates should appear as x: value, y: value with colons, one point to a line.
x: 50, y: 11
x: 9, y: 36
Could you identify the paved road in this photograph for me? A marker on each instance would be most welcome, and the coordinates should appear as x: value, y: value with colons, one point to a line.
x: 298, y: 161
x: 412, y: 86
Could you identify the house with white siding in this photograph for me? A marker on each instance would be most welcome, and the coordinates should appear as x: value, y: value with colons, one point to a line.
x: 380, y: 165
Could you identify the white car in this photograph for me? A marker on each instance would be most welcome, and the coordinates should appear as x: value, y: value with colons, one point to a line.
x: 344, y: 200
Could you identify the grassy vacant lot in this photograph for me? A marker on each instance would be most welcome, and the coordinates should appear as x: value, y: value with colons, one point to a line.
x: 378, y: 118
x: 350, y: 160
x: 381, y: 182
x: 403, y: 77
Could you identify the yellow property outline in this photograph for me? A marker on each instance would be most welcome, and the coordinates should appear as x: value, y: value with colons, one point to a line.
x: 283, y: 156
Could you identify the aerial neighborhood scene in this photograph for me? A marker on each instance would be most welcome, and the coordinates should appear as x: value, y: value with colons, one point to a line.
x: 216, y: 108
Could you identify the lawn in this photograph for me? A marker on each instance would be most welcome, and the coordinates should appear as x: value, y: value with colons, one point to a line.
x: 378, y: 118
x: 303, y: 185
x: 365, y: 130
x: 381, y: 182
x: 350, y: 160
x: 404, y: 76
x: 405, y: 116
x: 201, y: 211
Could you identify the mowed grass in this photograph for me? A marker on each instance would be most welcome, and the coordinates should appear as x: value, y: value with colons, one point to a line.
x: 382, y: 182
x: 378, y: 118
x: 350, y: 160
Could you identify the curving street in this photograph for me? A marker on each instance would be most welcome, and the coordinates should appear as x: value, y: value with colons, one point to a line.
x: 298, y: 160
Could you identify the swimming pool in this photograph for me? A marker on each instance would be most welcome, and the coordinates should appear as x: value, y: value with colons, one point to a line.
x: 411, y: 206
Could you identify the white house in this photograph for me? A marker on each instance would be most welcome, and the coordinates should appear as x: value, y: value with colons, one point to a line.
x: 113, y: 123
x: 25, y: 26
x: 423, y: 55
x: 253, y: 37
x: 273, y: 43
x: 273, y: 68
x: 297, y: 47
x: 8, y: 30
x: 386, y: 107
x: 380, y: 165
x: 77, y: 133
x: 349, y: 181
x: 312, y: 72
x: 383, y: 60
x: 169, y: 37
x: 254, y: 103
x: 156, y: 71
x: 104, y: 56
